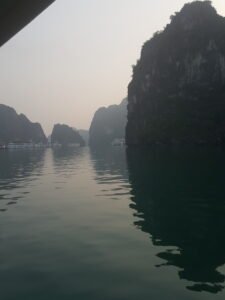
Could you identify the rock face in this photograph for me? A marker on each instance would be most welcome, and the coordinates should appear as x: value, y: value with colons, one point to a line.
x: 18, y: 128
x: 177, y: 94
x: 108, y: 124
x: 65, y: 135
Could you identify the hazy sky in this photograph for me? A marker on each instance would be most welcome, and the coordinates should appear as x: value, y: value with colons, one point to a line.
x: 77, y: 56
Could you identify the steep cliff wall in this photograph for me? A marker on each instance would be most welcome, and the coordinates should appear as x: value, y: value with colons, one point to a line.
x: 177, y: 94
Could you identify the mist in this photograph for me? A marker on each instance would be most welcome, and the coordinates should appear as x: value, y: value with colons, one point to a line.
x: 77, y: 56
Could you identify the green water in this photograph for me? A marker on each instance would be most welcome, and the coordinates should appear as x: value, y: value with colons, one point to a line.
x: 113, y: 224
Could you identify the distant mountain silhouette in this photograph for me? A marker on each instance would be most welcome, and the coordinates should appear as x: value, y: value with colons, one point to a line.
x: 108, y: 124
x: 64, y: 135
x: 18, y: 128
x: 177, y: 94
x: 85, y: 135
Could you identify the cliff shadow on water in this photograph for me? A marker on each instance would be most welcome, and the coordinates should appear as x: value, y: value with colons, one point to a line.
x: 179, y: 197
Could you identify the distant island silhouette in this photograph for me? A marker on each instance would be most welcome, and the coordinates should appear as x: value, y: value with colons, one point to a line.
x: 108, y: 124
x: 18, y: 128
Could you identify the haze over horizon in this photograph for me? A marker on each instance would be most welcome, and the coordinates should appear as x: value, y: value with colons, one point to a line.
x: 78, y: 56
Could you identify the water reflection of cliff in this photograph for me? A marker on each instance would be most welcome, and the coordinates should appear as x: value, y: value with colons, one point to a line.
x: 179, y: 197
x: 68, y: 161
x: 110, y: 166
x: 65, y: 157
x: 109, y: 160
x: 17, y: 170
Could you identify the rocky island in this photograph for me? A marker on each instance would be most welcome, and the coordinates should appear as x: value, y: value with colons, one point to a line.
x: 177, y: 93
x: 17, y: 128
x: 108, y: 124
x: 64, y: 135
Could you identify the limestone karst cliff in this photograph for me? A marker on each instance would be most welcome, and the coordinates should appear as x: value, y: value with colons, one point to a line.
x: 18, y: 128
x: 177, y: 93
x: 108, y: 124
x: 65, y: 135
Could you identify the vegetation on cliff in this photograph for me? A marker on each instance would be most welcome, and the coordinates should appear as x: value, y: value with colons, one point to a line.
x: 177, y: 93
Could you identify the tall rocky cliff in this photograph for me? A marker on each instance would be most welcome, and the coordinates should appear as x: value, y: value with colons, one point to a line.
x: 65, y: 135
x: 108, y: 124
x: 18, y: 128
x: 177, y: 94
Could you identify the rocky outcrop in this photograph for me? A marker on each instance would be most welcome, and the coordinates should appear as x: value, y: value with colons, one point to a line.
x: 108, y: 124
x: 18, y: 128
x: 64, y: 135
x: 177, y: 94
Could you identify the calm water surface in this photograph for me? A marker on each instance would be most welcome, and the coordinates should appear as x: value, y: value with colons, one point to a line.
x: 114, y: 224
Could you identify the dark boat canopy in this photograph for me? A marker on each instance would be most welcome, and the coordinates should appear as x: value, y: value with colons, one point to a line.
x: 16, y: 14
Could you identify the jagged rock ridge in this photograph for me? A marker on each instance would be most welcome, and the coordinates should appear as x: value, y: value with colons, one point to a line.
x: 108, y: 124
x: 177, y: 94
x: 18, y: 128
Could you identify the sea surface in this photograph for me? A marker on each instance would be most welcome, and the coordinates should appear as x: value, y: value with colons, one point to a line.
x: 112, y: 224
